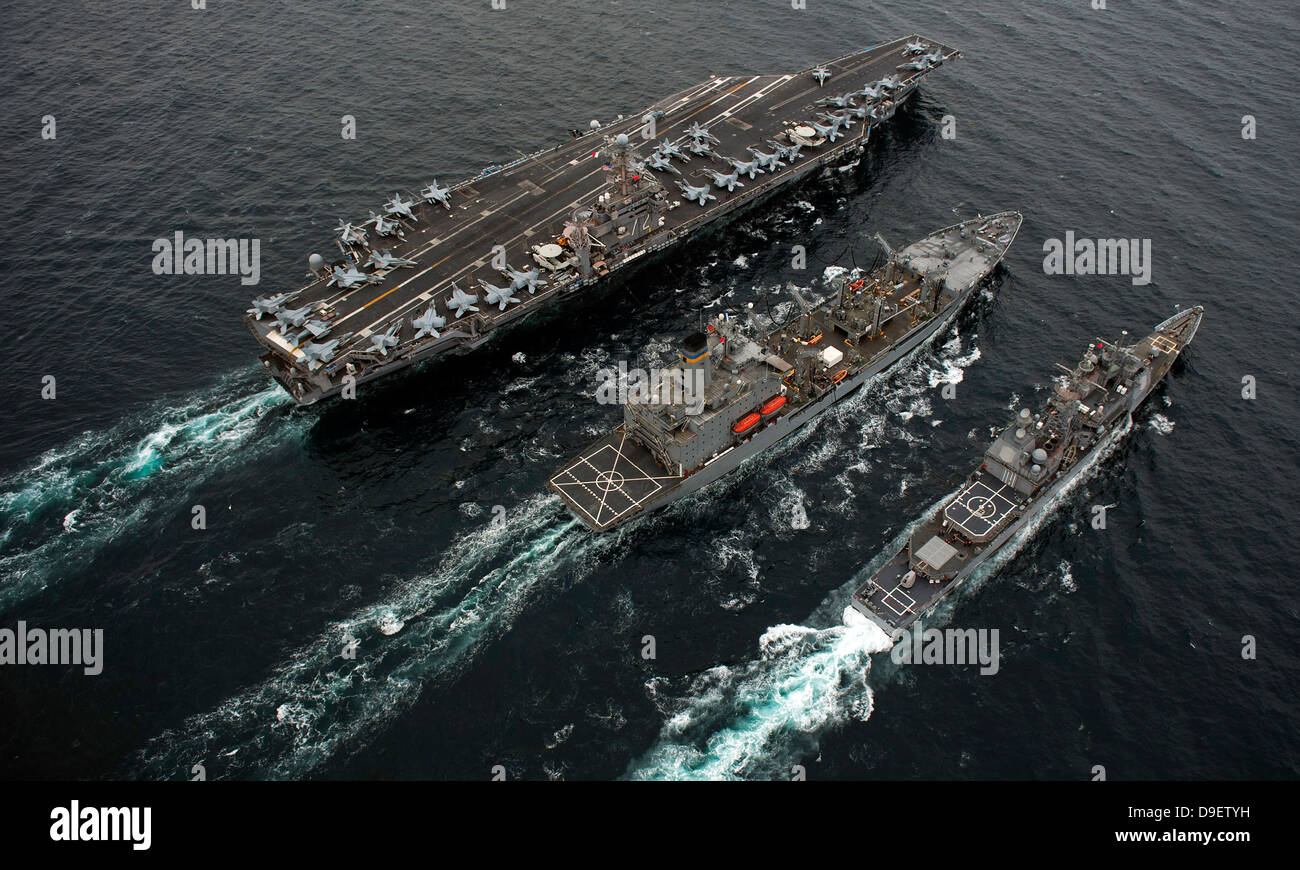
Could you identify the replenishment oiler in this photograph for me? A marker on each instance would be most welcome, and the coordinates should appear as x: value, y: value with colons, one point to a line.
x: 441, y: 269
x: 1034, y: 459
x: 733, y: 396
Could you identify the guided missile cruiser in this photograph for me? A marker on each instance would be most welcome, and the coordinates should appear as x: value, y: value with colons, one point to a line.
x: 1036, y: 457
x: 734, y: 394
x: 576, y: 213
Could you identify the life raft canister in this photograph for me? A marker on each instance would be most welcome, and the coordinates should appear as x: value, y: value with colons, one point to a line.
x: 745, y: 423
x: 772, y: 405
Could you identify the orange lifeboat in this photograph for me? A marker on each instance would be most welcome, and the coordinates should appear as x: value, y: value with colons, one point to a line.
x: 772, y: 405
x: 745, y: 423
x: 839, y: 376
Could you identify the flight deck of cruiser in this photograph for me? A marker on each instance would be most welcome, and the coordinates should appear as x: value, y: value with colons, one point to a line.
x: 440, y: 269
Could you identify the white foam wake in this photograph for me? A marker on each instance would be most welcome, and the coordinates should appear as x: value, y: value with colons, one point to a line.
x: 319, y: 701
x: 55, y: 515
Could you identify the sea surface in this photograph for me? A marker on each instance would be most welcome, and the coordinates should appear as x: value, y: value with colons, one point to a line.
x: 354, y: 609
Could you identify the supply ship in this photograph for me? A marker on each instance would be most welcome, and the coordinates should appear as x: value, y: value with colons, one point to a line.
x: 1034, y: 459
x: 441, y: 269
x: 734, y: 395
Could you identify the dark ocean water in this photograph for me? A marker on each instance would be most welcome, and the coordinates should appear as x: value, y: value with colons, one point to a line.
x: 521, y: 645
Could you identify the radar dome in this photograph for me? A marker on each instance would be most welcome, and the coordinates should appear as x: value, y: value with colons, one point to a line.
x: 595, y: 125
x: 1040, y: 455
x: 622, y: 139
x: 316, y: 262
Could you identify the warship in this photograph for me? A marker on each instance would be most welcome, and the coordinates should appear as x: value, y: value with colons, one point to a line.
x: 1035, y: 458
x: 734, y: 395
x: 442, y: 269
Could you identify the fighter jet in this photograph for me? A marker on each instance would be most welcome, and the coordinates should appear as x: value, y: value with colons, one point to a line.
x: 698, y: 147
x: 385, y: 227
x: 790, y: 153
x: 915, y: 47
x: 349, y: 278
x: 730, y: 182
x: 530, y: 279
x: 751, y: 168
x: 935, y: 57
x: 831, y: 132
x: 460, y: 302
x: 499, y: 296
x: 838, y: 119
x: 872, y: 93
x: 770, y: 162
x: 861, y: 112
x: 842, y: 101
x: 294, y: 317
x: 428, y: 323
x: 920, y: 63
x: 399, y: 206
x: 890, y: 83
x: 821, y: 74
x: 697, y: 194
x: 349, y: 234
x: 662, y: 163
x: 701, y: 134
x: 434, y: 193
x: 268, y: 305
x: 670, y: 150
x: 318, y: 353
x: 381, y: 343
x: 386, y: 260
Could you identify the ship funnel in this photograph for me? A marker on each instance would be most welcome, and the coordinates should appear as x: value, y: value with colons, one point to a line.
x: 695, y: 358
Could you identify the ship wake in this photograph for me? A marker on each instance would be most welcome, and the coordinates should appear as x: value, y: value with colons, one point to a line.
x: 56, y: 515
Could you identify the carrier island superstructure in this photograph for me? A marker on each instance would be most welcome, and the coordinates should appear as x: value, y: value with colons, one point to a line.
x: 441, y: 269
x: 1036, y: 457
x: 734, y: 394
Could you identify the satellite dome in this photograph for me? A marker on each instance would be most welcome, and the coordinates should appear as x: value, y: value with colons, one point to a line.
x: 622, y: 139
x: 316, y: 262
x: 1040, y: 455
x: 595, y: 125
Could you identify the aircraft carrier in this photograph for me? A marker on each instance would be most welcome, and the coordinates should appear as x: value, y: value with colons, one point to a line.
x: 442, y: 269
x: 1033, y: 460
x: 733, y: 396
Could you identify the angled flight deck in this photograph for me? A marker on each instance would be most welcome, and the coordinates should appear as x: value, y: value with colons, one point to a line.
x: 423, y: 275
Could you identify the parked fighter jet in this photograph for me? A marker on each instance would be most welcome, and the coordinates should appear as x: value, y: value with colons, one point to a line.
x: 385, y: 227
x: 770, y: 162
x: 839, y: 119
x: 670, y: 150
x: 830, y: 131
x: 703, y: 148
x: 790, y: 153
x: 697, y: 194
x: 429, y: 322
x: 890, y: 83
x: 292, y: 317
x: 460, y: 302
x: 399, y: 206
x: 701, y: 134
x: 434, y: 193
x: 872, y: 93
x: 350, y: 278
x: 318, y: 353
x: 268, y: 305
x: 386, y: 260
x: 381, y: 343
x: 531, y: 279
x: 915, y: 47
x: 730, y: 182
x: 662, y: 163
x: 751, y: 168
x: 349, y: 234
x: 840, y: 102
x: 499, y: 296
x: 821, y: 74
